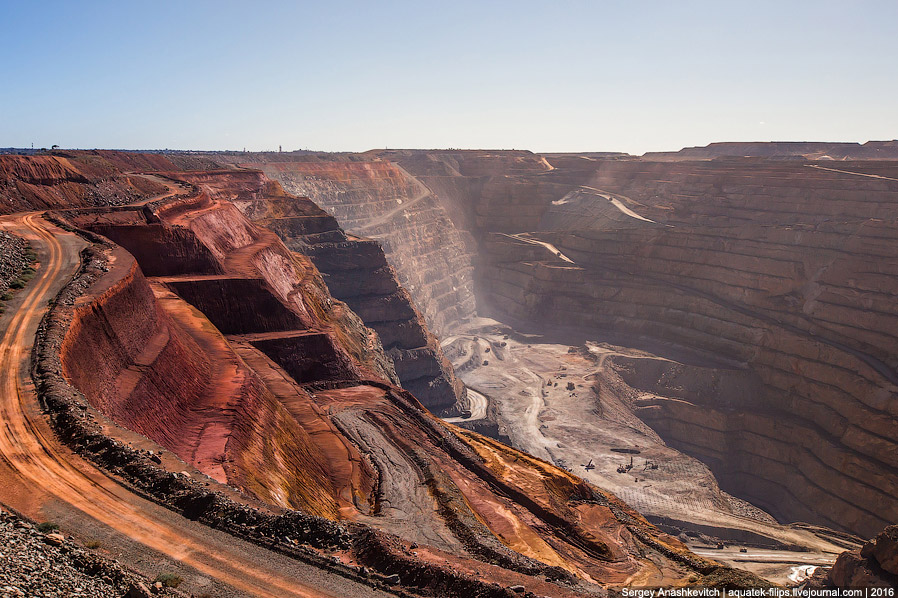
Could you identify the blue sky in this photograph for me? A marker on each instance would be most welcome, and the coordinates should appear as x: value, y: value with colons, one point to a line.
x: 548, y: 76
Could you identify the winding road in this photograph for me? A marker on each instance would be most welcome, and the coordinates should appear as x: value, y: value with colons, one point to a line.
x: 874, y: 363
x: 39, y: 476
x: 526, y: 239
x: 617, y: 203
x: 478, y: 404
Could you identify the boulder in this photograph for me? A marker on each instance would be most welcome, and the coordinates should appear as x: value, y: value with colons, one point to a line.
x: 138, y: 590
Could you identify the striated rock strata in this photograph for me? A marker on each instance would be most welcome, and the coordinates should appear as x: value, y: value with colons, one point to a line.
x: 355, y: 271
x: 152, y: 361
x: 782, y: 270
x: 379, y: 200
x: 63, y: 180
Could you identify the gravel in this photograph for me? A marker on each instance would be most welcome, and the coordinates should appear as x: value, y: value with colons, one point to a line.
x: 47, y: 565
x: 12, y: 259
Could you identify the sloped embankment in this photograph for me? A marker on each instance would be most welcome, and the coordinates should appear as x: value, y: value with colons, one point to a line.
x: 151, y: 362
x: 61, y: 181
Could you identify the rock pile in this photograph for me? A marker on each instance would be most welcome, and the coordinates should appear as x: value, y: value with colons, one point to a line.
x: 875, y: 565
x: 12, y: 259
x: 37, y: 564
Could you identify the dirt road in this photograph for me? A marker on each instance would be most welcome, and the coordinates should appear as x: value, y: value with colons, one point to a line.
x: 526, y: 239
x: 478, y: 405
x: 173, y: 187
x: 406, y: 505
x: 778, y: 566
x: 40, y: 477
x: 618, y: 203
x: 871, y: 176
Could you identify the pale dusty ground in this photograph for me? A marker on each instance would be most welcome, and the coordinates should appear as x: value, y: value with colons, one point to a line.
x: 778, y: 566
x: 526, y: 387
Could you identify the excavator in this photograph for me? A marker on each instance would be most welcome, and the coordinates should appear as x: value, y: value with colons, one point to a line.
x: 625, y: 468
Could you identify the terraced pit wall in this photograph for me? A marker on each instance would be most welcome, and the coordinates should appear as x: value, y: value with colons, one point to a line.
x: 271, y: 430
x: 378, y: 200
x: 424, y: 219
x: 166, y: 372
x: 356, y: 271
x: 780, y: 271
x: 61, y: 181
x: 783, y: 270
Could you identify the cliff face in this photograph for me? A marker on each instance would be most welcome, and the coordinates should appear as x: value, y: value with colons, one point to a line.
x: 875, y: 565
x: 144, y: 353
x: 379, y: 200
x: 355, y: 271
x: 782, y: 269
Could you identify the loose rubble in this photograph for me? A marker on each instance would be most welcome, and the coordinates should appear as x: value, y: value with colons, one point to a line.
x: 874, y: 565
x: 13, y: 259
x: 36, y: 564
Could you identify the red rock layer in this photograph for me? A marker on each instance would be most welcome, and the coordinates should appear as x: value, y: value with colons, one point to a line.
x: 39, y: 182
x: 356, y: 271
x: 145, y: 358
x: 232, y: 426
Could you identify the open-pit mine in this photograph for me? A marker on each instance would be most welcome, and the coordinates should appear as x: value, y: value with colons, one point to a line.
x: 457, y: 373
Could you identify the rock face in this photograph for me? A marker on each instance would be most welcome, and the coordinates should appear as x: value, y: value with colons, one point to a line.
x: 875, y: 565
x: 756, y: 266
x: 355, y: 271
x: 143, y: 354
x: 379, y: 200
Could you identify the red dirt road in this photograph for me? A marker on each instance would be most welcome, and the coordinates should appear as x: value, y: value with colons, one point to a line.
x: 39, y: 475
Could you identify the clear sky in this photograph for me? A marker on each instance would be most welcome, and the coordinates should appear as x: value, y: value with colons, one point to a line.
x: 557, y: 75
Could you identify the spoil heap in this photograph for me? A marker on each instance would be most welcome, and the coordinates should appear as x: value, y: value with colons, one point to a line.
x: 67, y: 180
